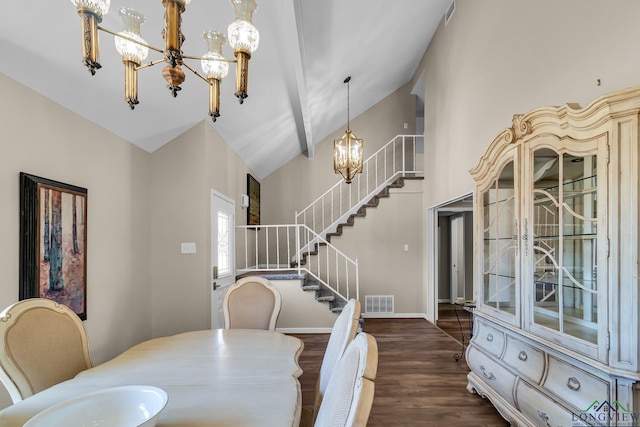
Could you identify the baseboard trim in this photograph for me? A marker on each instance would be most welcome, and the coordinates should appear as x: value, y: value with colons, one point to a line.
x: 394, y: 315
x: 304, y: 330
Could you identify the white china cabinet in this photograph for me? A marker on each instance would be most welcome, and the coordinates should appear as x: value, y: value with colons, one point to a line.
x: 556, y: 266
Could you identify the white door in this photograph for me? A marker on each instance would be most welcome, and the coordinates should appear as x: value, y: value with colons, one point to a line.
x: 223, y: 267
x: 457, y: 257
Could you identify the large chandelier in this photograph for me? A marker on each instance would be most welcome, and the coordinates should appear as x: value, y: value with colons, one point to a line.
x: 243, y: 38
x: 348, y: 151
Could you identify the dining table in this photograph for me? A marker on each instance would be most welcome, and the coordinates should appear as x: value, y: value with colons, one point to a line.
x: 221, y: 377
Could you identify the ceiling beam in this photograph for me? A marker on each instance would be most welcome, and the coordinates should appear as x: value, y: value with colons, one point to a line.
x: 295, y: 46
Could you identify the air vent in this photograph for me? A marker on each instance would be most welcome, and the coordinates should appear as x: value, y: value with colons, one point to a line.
x: 378, y: 304
x: 449, y: 13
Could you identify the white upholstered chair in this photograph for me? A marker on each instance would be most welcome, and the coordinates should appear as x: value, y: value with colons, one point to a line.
x: 251, y: 303
x: 42, y: 343
x: 344, y: 330
x: 349, y: 396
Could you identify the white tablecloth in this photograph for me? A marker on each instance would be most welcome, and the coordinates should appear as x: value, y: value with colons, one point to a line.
x: 234, y: 377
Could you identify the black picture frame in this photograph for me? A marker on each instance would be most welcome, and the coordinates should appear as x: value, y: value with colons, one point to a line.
x: 53, y: 242
x: 253, y: 210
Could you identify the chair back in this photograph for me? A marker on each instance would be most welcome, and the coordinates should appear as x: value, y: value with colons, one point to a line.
x: 251, y: 303
x: 42, y: 343
x: 349, y: 396
x: 344, y: 330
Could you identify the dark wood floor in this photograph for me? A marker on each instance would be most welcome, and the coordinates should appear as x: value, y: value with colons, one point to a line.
x: 418, y: 383
x: 454, y: 321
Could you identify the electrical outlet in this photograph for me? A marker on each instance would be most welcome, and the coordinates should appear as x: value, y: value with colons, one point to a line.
x: 188, y: 248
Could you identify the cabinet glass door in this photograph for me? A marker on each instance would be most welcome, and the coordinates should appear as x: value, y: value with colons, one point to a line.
x: 565, y: 244
x: 500, y: 232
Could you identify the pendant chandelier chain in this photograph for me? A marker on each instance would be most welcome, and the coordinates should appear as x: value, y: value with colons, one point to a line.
x: 347, y: 80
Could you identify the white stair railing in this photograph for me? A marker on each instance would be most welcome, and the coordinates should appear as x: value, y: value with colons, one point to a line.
x: 394, y: 160
x: 296, y: 248
x: 302, y: 248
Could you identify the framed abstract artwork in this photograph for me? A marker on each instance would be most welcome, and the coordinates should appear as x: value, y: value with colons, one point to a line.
x: 53, y: 242
x: 253, y: 211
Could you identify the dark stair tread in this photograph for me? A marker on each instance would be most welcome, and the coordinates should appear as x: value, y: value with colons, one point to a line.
x: 371, y: 203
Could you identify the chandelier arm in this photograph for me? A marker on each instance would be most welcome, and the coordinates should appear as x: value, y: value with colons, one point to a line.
x: 149, y: 64
x: 194, y: 72
x: 113, y: 33
x: 199, y: 58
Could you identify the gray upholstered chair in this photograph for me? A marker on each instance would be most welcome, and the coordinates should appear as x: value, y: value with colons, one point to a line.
x: 344, y: 330
x: 349, y: 395
x: 42, y: 343
x: 251, y: 303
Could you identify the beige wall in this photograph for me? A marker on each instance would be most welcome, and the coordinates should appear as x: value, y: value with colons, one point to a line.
x: 378, y: 240
x: 497, y: 58
x: 300, y: 312
x: 183, y: 173
x: 44, y: 139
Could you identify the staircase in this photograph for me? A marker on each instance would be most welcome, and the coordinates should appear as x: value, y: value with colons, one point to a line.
x: 323, y: 294
x: 372, y: 203
x: 305, y: 248
x: 395, y: 160
x: 293, y: 251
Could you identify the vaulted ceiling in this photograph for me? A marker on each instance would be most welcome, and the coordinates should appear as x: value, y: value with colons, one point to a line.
x: 296, y: 92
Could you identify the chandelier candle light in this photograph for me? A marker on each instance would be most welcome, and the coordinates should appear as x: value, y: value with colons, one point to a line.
x: 348, y: 151
x: 243, y: 38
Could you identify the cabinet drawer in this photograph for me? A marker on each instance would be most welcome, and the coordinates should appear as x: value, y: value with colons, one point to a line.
x: 527, y: 360
x: 491, y: 372
x: 576, y: 386
x: 489, y: 338
x: 541, y: 410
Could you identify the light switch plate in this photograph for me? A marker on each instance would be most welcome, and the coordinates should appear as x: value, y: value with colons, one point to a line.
x: 188, y: 248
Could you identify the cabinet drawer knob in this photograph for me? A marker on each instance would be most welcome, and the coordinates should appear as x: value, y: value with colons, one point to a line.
x: 489, y: 375
x: 573, y: 384
x: 522, y: 355
x: 489, y: 337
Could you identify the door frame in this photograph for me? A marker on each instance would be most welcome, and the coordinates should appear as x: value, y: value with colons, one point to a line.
x: 431, y: 294
x: 214, y: 243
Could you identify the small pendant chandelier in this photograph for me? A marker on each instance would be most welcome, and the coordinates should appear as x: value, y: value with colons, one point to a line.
x: 348, y: 151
